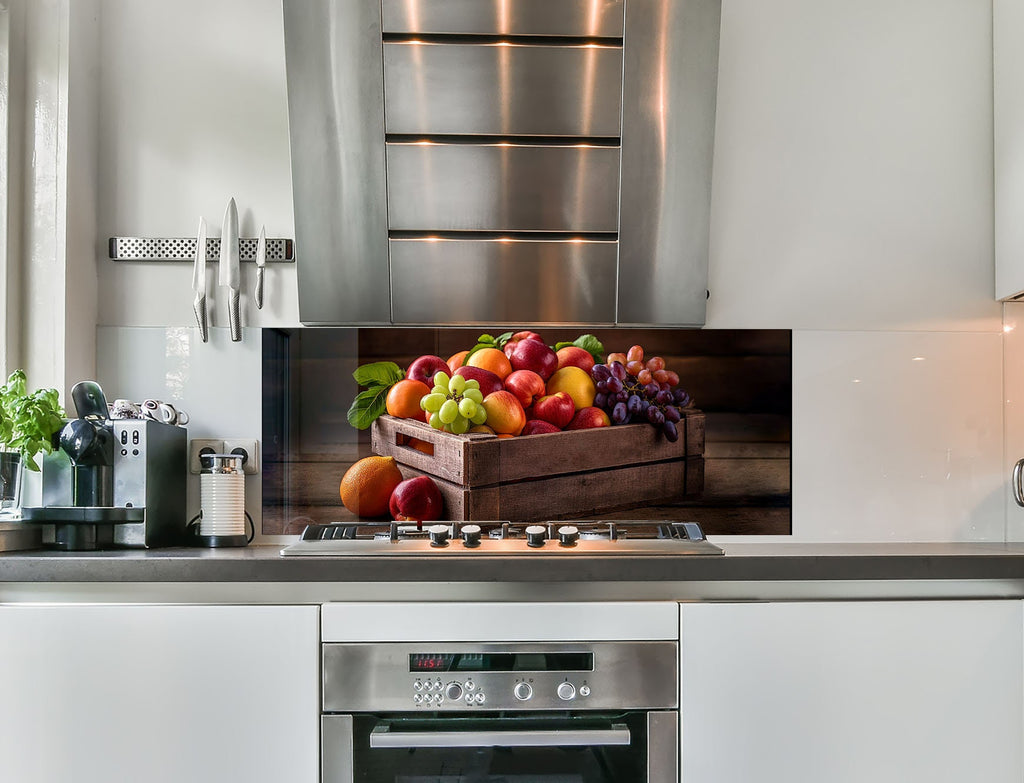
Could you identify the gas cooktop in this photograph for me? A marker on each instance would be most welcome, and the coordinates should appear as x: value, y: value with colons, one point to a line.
x: 579, y: 537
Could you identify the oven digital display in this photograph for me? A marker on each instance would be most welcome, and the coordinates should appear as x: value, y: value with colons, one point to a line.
x: 502, y: 662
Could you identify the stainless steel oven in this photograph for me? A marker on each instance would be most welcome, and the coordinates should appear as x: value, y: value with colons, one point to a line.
x: 517, y: 712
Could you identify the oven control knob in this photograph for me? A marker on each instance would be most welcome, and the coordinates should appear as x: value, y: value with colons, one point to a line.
x: 568, y: 535
x: 522, y: 691
x: 438, y: 535
x: 471, y: 535
x: 453, y: 691
x: 584, y: 690
x: 535, y: 535
x: 566, y: 691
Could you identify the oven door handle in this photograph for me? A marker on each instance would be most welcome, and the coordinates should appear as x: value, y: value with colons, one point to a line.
x: 383, y: 737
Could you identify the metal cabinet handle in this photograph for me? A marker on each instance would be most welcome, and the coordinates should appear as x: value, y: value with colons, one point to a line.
x: 1018, y: 488
x: 383, y: 737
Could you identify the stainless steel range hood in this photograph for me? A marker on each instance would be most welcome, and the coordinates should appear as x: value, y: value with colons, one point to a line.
x: 502, y: 161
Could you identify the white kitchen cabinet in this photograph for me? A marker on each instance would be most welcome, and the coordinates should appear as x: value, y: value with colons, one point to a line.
x: 1008, y: 135
x: 161, y: 694
x: 849, y: 692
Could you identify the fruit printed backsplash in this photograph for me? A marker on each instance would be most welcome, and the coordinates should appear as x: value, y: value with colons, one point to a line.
x: 376, y: 422
x: 517, y: 384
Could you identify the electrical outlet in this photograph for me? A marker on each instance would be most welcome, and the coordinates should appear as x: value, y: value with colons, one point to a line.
x: 197, y: 446
x: 251, y: 450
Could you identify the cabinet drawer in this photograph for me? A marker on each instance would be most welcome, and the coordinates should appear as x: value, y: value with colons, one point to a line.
x: 502, y: 89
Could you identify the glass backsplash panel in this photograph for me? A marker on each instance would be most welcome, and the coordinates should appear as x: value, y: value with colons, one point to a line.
x: 741, y: 380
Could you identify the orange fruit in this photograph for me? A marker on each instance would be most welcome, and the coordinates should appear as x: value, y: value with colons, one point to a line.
x: 366, y: 487
x: 404, y: 399
x: 575, y: 382
x: 455, y: 360
x: 491, y: 359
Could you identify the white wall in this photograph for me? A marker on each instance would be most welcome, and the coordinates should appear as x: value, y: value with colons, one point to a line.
x: 852, y: 203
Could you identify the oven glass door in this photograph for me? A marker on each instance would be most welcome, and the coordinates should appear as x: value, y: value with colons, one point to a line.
x: 591, y: 748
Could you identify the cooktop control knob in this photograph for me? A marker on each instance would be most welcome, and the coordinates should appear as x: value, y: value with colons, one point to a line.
x: 568, y: 535
x: 535, y: 535
x: 566, y: 691
x: 471, y: 535
x: 522, y: 691
x: 453, y: 691
x: 438, y: 535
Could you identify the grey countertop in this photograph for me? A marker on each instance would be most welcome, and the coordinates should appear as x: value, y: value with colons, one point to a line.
x: 747, y: 562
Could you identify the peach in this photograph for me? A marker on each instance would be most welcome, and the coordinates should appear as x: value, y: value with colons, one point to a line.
x: 575, y: 382
x: 589, y: 418
x: 574, y: 356
x: 504, y: 413
x: 526, y: 385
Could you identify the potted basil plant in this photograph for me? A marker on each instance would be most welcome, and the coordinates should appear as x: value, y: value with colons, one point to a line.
x: 28, y: 423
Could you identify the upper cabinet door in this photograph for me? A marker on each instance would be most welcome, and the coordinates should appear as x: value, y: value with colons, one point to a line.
x: 1008, y: 109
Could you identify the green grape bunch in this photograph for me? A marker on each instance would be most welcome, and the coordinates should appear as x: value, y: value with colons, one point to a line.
x: 454, y: 403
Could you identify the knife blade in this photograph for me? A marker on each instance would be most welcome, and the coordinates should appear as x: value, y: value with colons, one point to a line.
x: 199, y: 281
x: 261, y: 262
x: 229, y: 273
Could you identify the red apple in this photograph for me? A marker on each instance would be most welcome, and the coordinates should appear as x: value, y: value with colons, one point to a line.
x: 534, y: 355
x: 417, y: 499
x: 526, y: 385
x: 426, y: 367
x: 539, y: 427
x: 489, y: 381
x: 557, y: 409
x: 589, y: 418
x: 574, y: 356
x: 518, y: 337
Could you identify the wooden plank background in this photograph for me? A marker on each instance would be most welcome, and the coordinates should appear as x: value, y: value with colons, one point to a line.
x: 741, y: 379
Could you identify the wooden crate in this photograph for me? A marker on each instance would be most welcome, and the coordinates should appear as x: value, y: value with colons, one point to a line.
x: 557, y: 475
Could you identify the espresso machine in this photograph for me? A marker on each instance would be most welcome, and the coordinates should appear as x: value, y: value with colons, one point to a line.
x: 112, y: 483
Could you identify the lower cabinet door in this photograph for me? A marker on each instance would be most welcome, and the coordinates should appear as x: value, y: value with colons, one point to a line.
x: 848, y: 692
x: 161, y: 694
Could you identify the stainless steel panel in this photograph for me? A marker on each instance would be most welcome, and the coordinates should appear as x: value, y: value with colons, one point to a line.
x: 336, y: 125
x: 663, y: 747
x: 502, y: 89
x: 376, y: 677
x: 595, y: 18
x: 495, y: 281
x: 336, y: 749
x: 670, y: 68
x: 502, y: 187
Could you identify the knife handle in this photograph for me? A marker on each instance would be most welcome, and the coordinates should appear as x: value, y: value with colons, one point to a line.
x: 234, y: 317
x: 199, y: 306
x: 258, y: 294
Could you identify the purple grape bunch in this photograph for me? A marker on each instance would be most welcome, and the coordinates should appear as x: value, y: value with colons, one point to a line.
x: 648, y: 393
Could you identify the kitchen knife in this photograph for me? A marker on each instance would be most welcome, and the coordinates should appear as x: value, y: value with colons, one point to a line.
x: 261, y: 262
x: 229, y: 274
x: 199, y: 281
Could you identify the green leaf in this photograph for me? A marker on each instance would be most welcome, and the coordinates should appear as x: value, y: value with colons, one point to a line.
x: 367, y: 406
x: 378, y: 374
x: 591, y: 345
x: 504, y: 338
